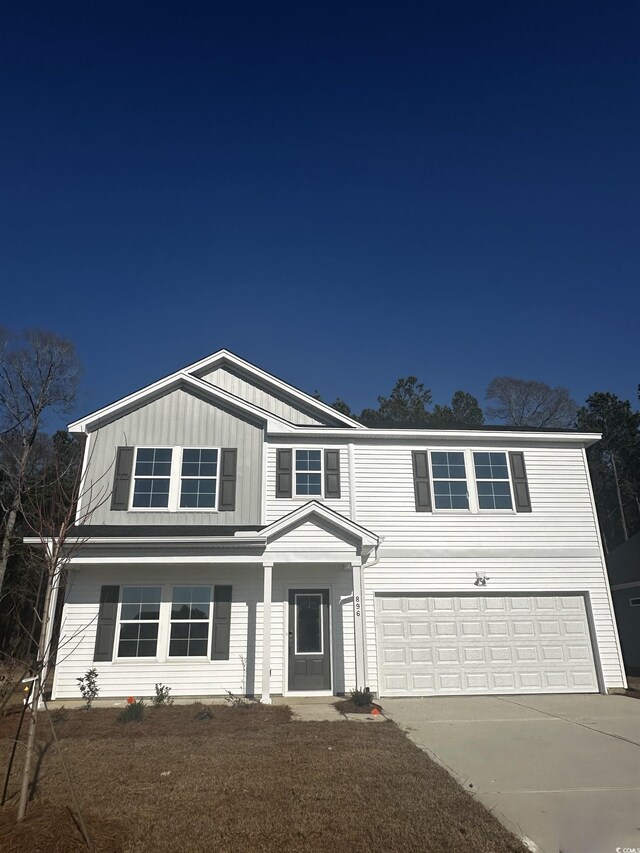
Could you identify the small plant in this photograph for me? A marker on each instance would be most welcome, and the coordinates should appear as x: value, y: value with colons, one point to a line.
x: 162, y: 696
x: 134, y: 712
x: 88, y: 686
x: 362, y: 698
x: 236, y: 701
x: 204, y: 714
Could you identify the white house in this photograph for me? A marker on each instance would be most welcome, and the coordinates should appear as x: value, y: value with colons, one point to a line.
x: 236, y: 534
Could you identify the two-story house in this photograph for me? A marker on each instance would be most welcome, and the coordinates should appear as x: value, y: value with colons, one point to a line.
x: 236, y: 534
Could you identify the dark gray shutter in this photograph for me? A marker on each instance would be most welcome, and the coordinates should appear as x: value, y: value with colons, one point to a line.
x: 122, y: 479
x: 107, y: 618
x: 284, y: 473
x: 519, y: 480
x: 228, y: 465
x: 221, y: 623
x: 332, y: 473
x: 421, y: 486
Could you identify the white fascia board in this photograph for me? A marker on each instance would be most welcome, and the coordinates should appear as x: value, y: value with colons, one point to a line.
x: 304, y: 513
x: 426, y: 436
x: 273, y: 422
x: 137, y: 541
x: 224, y: 355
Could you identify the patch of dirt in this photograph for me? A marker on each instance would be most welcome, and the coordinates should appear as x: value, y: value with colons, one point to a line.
x: 245, y: 779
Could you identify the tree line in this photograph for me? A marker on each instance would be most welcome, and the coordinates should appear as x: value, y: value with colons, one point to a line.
x: 39, y: 471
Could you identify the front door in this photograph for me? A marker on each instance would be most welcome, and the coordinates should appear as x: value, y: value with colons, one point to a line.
x: 309, y: 640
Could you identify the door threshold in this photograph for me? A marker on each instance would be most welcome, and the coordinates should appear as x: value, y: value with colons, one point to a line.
x: 309, y: 694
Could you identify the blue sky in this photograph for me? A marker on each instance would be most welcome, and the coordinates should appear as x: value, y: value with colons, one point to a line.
x: 341, y: 193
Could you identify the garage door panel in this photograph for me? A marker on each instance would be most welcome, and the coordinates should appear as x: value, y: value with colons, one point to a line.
x: 484, y: 644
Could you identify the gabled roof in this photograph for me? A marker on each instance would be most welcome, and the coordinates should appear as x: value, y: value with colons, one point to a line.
x: 188, y: 376
x: 189, y: 383
x: 314, y: 511
x: 225, y: 356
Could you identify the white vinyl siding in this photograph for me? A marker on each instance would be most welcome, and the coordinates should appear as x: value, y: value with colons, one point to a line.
x: 197, y: 676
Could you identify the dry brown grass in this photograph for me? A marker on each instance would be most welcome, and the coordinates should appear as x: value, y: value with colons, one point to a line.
x: 246, y: 780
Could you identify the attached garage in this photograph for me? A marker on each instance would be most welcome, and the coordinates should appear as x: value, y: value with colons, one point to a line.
x: 483, y: 644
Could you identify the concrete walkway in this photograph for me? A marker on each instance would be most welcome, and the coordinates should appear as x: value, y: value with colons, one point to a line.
x: 562, y: 771
x: 311, y: 709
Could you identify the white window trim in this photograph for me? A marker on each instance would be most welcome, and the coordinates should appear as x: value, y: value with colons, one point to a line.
x: 175, y: 479
x: 295, y: 472
x: 158, y: 622
x: 472, y: 482
x: 207, y: 655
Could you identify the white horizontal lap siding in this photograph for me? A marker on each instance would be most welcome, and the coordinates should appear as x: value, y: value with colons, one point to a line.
x: 562, y: 510
x: 277, y: 507
x: 138, y: 677
x: 309, y: 536
x: 516, y: 575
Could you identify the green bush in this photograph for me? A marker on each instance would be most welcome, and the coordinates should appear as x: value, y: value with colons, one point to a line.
x: 162, y: 696
x: 88, y: 686
x: 362, y: 698
x: 133, y: 713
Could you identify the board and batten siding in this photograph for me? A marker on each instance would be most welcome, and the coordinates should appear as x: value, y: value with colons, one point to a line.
x: 242, y: 672
x: 277, y: 507
x: 251, y: 391
x: 178, y: 419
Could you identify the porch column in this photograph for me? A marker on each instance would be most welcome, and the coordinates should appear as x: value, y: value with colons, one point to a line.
x: 358, y: 619
x: 266, y: 633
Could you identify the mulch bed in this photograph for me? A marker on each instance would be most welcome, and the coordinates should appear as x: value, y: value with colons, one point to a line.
x: 242, y: 779
x: 348, y: 706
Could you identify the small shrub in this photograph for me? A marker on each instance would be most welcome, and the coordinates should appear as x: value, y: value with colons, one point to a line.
x: 362, y: 698
x: 134, y: 712
x: 88, y: 686
x: 204, y: 714
x: 236, y: 701
x: 162, y: 696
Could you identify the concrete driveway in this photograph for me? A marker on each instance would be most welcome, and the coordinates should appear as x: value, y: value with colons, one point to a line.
x: 561, y: 771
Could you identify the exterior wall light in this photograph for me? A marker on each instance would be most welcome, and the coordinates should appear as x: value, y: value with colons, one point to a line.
x: 481, y: 579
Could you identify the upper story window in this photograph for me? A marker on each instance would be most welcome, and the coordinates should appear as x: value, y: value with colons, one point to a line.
x: 175, y: 478
x: 199, y: 478
x: 449, y: 480
x: 492, y: 480
x: 474, y: 480
x: 308, y: 472
x: 152, y: 477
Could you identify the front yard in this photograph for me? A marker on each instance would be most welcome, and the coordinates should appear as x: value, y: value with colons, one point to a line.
x: 242, y: 779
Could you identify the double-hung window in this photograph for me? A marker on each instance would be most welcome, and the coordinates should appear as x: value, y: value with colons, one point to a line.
x: 152, y: 477
x: 449, y: 480
x: 190, y: 617
x: 139, y: 621
x: 308, y: 472
x: 199, y: 478
x: 492, y: 480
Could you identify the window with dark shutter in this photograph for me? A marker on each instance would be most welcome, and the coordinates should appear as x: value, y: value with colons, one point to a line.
x: 332, y: 473
x: 106, y: 627
x: 520, y: 484
x: 284, y: 473
x: 122, y: 479
x: 228, y: 467
x: 221, y: 632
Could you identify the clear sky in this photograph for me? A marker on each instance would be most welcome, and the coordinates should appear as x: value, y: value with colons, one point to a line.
x: 342, y: 193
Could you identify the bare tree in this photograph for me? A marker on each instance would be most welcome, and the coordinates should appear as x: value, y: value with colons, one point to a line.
x: 38, y: 375
x: 529, y: 403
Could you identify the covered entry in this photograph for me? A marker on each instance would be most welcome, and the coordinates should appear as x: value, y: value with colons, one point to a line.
x: 483, y: 644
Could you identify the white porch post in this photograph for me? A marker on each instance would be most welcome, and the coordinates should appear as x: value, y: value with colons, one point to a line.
x: 358, y: 619
x: 266, y: 633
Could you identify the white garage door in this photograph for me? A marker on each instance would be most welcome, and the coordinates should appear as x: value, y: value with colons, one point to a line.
x: 483, y: 644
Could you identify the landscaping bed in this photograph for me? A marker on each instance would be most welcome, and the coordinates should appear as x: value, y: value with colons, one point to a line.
x: 216, y: 778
